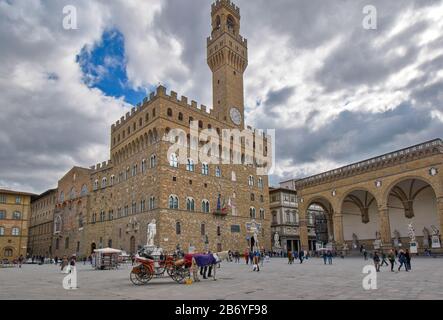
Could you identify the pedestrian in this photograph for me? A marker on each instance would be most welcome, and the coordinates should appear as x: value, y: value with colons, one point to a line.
x: 325, y: 257
x: 408, y: 260
x: 329, y: 255
x: 251, y: 257
x: 376, y: 259
x: 391, y: 258
x: 365, y: 254
x: 246, y: 255
x: 56, y: 260
x: 289, y: 257
x: 20, y: 261
x: 402, y: 260
x: 301, y: 256
x: 383, y: 258
x: 256, y: 261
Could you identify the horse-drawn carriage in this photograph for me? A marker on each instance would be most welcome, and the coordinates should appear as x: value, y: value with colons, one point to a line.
x: 154, y: 263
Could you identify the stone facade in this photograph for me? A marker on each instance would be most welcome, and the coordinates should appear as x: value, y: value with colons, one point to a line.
x: 15, y: 211
x: 41, y: 224
x: 407, y: 183
x: 208, y: 207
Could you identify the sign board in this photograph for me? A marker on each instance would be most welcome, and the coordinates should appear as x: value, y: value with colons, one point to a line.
x: 436, y: 242
x: 413, y: 247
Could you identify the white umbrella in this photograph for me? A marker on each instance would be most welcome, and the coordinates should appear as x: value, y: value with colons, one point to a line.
x: 107, y: 250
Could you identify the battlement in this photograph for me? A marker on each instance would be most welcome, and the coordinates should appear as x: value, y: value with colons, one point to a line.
x: 159, y: 92
x: 216, y: 34
x: 101, y: 166
x: 226, y: 3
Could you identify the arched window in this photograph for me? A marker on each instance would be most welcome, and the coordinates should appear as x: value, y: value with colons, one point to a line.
x: 288, y: 217
x: 205, y: 206
x: 180, y: 116
x: 72, y: 193
x: 84, y: 190
x: 218, y: 231
x: 260, y: 183
x: 173, y: 202
x: 8, y: 252
x: 205, y: 169
x: 169, y: 112
x: 127, y: 173
x: 152, y: 203
x: 147, y: 117
x: 153, y: 113
x: 191, y: 119
x: 262, y: 213
x: 217, y: 22
x: 16, y: 215
x: 251, y: 181
x: 80, y: 220
x: 262, y: 199
x: 153, y: 161
x: 143, y: 166
x: 217, y: 172
x: 57, y: 224
x: 252, y: 212
x: 112, y: 180
x: 190, y: 204
x: 178, y: 229
x: 104, y: 181
x: 190, y: 165
x: 2, y: 231
x: 173, y: 160
x: 134, y: 170
x: 15, y: 231
x: 200, y: 124
x: 96, y: 184
x: 102, y: 216
x: 202, y: 229
x: 274, y: 217
x: 252, y: 197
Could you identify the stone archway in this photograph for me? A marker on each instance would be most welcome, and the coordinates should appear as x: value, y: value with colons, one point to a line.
x: 317, y: 220
x: 360, y: 218
x: 413, y: 200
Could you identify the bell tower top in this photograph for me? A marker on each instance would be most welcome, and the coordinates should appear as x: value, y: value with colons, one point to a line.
x: 227, y: 53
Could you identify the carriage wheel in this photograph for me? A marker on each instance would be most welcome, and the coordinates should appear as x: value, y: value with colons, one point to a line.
x: 134, y: 279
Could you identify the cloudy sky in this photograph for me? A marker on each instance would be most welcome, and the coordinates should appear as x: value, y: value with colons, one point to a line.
x: 334, y: 91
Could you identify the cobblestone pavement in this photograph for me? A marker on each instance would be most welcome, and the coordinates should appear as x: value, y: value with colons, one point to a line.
x: 276, y: 280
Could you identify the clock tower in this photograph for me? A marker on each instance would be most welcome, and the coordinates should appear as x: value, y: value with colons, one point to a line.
x: 227, y: 53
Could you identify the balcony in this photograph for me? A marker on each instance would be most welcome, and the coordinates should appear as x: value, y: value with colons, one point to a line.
x: 220, y: 212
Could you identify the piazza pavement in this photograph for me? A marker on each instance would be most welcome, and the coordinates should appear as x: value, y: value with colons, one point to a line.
x: 276, y: 281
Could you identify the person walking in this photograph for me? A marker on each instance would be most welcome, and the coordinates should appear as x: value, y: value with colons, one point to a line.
x: 408, y: 260
x: 256, y: 258
x: 20, y: 261
x: 246, y: 255
x: 365, y: 254
x: 391, y: 258
x: 289, y: 257
x: 329, y: 255
x: 325, y: 257
x: 301, y: 255
x: 383, y: 259
x: 402, y: 260
x: 376, y: 259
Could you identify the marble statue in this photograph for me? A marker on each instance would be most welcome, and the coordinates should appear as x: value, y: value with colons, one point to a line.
x: 152, y: 231
x: 276, y: 240
x: 411, y: 232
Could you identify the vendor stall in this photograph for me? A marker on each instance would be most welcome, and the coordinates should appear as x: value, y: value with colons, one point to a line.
x: 107, y: 258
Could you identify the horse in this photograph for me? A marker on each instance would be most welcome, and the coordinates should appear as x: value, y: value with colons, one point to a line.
x: 205, y: 260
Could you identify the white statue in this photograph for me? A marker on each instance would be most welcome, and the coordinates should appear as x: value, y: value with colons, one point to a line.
x: 276, y: 240
x: 152, y: 231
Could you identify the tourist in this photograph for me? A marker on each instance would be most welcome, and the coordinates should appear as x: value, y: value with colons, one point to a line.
x: 301, y: 256
x: 383, y: 257
x: 256, y: 261
x: 408, y: 260
x: 376, y: 259
x: 402, y: 260
x: 20, y: 261
x: 365, y: 254
x: 246, y: 256
x: 329, y: 255
x: 325, y: 257
x: 56, y: 260
x: 289, y: 257
x: 391, y: 258
x: 251, y: 256
x: 64, y: 263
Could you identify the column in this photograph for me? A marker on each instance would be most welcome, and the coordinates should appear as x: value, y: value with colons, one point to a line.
x: 304, y: 234
x: 440, y: 214
x: 385, y: 227
x: 338, y: 229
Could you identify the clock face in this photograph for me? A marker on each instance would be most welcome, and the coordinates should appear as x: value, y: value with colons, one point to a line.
x: 235, y: 116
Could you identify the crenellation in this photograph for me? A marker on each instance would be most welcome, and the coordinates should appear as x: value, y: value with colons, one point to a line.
x: 174, y: 95
x: 194, y: 104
